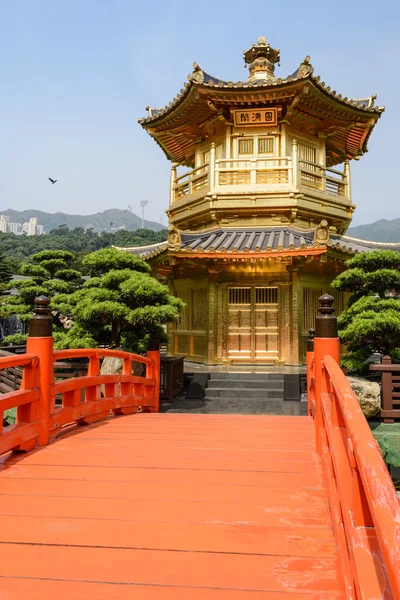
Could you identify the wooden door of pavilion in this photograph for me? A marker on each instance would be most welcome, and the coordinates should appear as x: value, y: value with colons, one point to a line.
x: 253, y: 324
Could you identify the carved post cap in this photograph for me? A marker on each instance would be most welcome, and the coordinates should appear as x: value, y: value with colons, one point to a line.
x: 310, y: 341
x: 154, y: 344
x: 41, y: 322
x: 326, y: 321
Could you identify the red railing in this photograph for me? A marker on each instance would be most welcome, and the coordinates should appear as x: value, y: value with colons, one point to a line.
x: 24, y: 434
x: 310, y: 384
x: 364, y: 505
x: 92, y: 397
x: 83, y: 399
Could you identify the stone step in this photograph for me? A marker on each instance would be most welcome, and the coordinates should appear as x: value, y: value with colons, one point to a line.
x: 248, y: 376
x: 244, y: 393
x: 252, y: 406
x: 265, y: 384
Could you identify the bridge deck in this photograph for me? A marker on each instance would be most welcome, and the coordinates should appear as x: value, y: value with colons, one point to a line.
x: 154, y: 506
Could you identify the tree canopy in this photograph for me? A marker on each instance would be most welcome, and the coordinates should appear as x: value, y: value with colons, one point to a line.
x: 5, y: 273
x: 48, y: 274
x: 18, y: 249
x: 122, y: 305
x: 372, y: 321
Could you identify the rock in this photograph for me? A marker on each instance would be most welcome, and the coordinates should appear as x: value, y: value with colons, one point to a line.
x: 368, y: 394
x: 113, y: 366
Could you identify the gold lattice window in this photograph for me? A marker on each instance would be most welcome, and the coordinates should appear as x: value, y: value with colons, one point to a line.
x: 266, y: 295
x: 246, y: 146
x: 239, y: 295
x: 265, y: 145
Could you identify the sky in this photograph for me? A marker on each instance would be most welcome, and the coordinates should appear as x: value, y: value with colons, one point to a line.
x: 75, y: 75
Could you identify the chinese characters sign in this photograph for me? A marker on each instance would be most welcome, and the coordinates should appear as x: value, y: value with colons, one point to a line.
x: 255, y: 117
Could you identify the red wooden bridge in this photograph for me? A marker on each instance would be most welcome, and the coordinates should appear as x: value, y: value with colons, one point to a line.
x: 143, y: 505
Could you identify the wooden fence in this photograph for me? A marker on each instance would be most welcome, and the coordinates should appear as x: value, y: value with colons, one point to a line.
x: 390, y: 380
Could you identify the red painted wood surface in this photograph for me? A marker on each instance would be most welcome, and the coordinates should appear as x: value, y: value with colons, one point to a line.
x: 361, y: 490
x: 84, y: 400
x: 152, y: 506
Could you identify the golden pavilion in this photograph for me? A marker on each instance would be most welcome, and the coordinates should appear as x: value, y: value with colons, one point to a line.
x: 260, y: 200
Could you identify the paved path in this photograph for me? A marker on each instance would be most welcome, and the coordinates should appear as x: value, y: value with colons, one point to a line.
x: 169, y: 506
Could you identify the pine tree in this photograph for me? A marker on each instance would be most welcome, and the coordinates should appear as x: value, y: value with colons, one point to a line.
x: 122, y: 305
x: 5, y: 273
x: 372, y: 321
x: 48, y: 274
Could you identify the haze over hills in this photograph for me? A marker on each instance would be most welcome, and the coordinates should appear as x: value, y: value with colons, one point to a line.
x: 107, y: 220
x: 114, y: 219
x: 379, y: 231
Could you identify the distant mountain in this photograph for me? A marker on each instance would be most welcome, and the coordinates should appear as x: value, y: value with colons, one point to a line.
x: 380, y: 231
x: 103, y: 221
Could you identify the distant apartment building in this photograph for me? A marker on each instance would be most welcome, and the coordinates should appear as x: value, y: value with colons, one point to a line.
x: 3, y: 223
x: 14, y: 228
x: 30, y: 228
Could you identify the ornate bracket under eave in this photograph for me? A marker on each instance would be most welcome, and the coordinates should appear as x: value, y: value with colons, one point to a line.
x: 174, y: 238
x: 321, y: 235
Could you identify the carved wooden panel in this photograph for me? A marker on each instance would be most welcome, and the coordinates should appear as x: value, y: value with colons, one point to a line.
x: 183, y: 322
x: 272, y: 318
x: 199, y: 310
x: 266, y: 331
x: 182, y: 345
x: 199, y: 345
x: 245, y: 318
x: 239, y: 326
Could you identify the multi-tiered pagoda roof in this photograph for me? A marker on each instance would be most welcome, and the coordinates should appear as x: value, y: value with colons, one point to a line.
x: 304, y: 101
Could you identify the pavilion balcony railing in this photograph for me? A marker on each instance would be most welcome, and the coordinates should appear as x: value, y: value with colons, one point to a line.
x: 253, y: 172
x: 321, y: 178
x: 244, y: 175
x: 191, y: 182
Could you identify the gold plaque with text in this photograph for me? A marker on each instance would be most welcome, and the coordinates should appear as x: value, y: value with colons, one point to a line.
x: 255, y: 117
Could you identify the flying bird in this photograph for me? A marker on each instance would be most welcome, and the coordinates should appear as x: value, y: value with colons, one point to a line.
x: 53, y: 180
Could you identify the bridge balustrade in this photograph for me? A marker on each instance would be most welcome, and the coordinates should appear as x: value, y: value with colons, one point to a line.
x: 22, y: 435
x: 364, y: 504
x: 84, y: 399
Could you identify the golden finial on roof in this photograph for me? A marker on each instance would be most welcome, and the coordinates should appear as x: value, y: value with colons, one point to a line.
x: 261, y: 59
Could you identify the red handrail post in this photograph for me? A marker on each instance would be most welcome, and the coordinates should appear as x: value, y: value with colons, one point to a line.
x: 326, y: 342
x: 153, y: 353
x: 40, y: 342
x: 310, y: 370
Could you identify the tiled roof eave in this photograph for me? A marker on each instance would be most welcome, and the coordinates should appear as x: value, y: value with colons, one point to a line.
x: 145, y: 252
x: 160, y: 114
x: 249, y: 254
